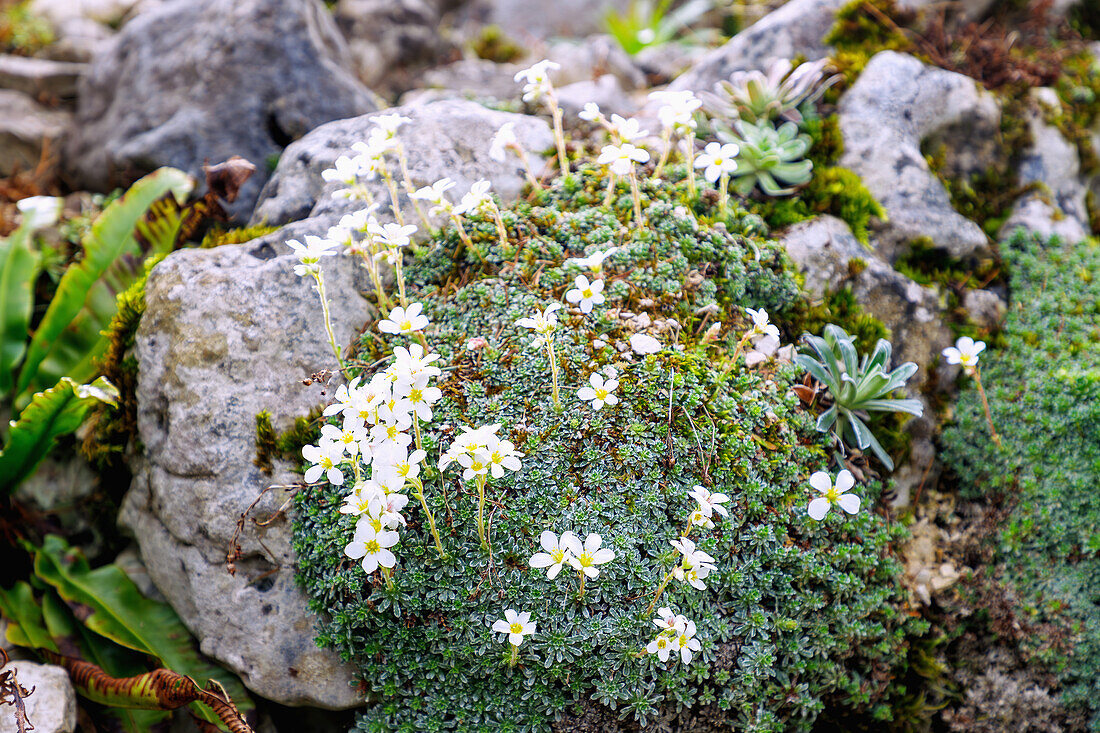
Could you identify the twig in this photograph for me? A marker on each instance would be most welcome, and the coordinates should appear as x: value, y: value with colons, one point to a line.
x: 12, y: 693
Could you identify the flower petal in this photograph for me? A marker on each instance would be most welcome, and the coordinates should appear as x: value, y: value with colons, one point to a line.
x: 849, y: 503
x: 818, y: 508
x: 821, y: 481
x: 844, y: 481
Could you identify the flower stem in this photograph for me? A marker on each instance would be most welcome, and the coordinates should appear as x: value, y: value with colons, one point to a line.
x: 320, y: 278
x: 666, y: 139
x: 527, y: 167
x: 416, y: 431
x: 502, y: 232
x: 580, y: 591
x: 610, y: 188
x: 407, y: 181
x: 637, y: 196
x: 723, y: 194
x: 387, y: 573
x: 690, y: 144
x: 985, y: 406
x: 399, y: 271
x: 740, y: 345
x: 553, y: 371
x: 559, y: 135
x: 481, y: 511
x: 657, y: 595
x: 419, y: 494
x: 515, y: 656
x: 395, y: 204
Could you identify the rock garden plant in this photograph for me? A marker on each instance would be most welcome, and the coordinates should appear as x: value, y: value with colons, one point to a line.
x: 552, y: 488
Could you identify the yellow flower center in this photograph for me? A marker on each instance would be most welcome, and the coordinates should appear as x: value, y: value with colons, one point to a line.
x: 416, y: 395
x: 832, y: 495
x: 406, y: 325
x: 557, y: 555
x: 586, y: 293
x: 373, y: 548
x: 601, y: 394
x: 662, y: 642
x: 515, y: 629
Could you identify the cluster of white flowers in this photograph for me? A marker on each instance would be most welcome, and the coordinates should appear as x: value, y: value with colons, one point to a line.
x: 568, y: 550
x: 369, y: 161
x: 675, y: 633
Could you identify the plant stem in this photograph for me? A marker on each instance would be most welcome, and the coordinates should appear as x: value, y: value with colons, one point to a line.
x: 637, y: 196
x: 985, y: 406
x: 515, y: 656
x: 690, y: 144
x: 388, y: 575
x: 419, y: 494
x: 407, y: 181
x: 416, y: 429
x: 395, y: 204
x: 657, y: 595
x: 610, y: 188
x: 481, y: 511
x: 740, y: 344
x: 723, y: 194
x: 502, y: 232
x: 399, y: 271
x: 559, y: 134
x: 666, y: 138
x: 580, y: 591
x: 320, y: 278
x: 553, y: 371
x: 527, y: 167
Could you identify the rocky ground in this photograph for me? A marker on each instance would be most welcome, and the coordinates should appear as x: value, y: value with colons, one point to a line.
x: 110, y: 90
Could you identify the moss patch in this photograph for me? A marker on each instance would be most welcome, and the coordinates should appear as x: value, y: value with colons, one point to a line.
x: 216, y: 236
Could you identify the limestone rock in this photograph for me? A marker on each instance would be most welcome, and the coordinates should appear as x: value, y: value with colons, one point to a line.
x: 525, y: 22
x: 391, y: 41
x: 1059, y: 206
x: 795, y: 30
x: 605, y: 91
x: 200, y: 80
x: 895, y: 104
x: 227, y: 333
x: 39, y: 77
x: 445, y: 138
x: 51, y: 707
x: 25, y: 127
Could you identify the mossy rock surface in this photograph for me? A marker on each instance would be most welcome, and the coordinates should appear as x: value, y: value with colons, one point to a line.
x: 799, y: 616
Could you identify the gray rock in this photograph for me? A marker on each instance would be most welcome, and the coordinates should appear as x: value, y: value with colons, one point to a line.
x: 107, y: 12
x: 985, y: 308
x: 605, y: 91
x: 825, y: 250
x: 391, y: 41
x: 1058, y: 207
x: 227, y: 333
x: 525, y: 22
x: 668, y: 61
x: 796, y: 29
x: 78, y: 40
x: 200, y: 80
x: 476, y: 79
x: 591, y: 58
x: 39, y: 77
x: 445, y: 138
x: 895, y: 104
x: 51, y: 707
x: 25, y: 127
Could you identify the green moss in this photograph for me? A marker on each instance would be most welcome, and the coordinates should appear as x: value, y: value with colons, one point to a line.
x: 217, y: 236
x: 492, y: 44
x: 838, y: 306
x: 834, y: 190
x: 799, y: 616
x: 862, y: 29
x: 22, y: 32
x: 287, y: 446
x: 1085, y: 19
x: 1043, y: 389
x: 1079, y: 90
x: 110, y: 431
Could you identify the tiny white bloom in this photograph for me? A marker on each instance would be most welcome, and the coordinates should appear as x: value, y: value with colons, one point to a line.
x: 591, y: 112
x: 555, y: 556
x: 476, y: 199
x: 695, y: 564
x: 392, y: 234
x: 760, y: 324
x: 504, y: 138
x: 621, y: 158
x: 586, y: 294
x: 404, y: 320
x: 544, y: 323
x: 372, y: 546
x: 586, y: 558
x: 344, y: 170
x: 661, y: 646
x: 516, y: 625
x: 965, y: 352
x: 833, y: 494
x: 643, y: 343
x: 708, y: 502
x: 717, y: 159
x: 325, y: 456
x: 537, y: 79
x: 687, y: 643
x: 668, y: 621
x: 600, y: 393
x: 434, y: 194
x: 310, y: 253
x: 595, y: 260
x: 628, y: 129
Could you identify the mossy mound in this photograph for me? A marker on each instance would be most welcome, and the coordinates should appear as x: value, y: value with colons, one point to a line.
x: 799, y: 615
x: 1044, y: 395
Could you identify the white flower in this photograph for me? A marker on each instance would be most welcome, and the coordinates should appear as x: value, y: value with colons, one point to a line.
x: 537, y: 79
x: 347, y: 438
x: 475, y: 464
x: 372, y: 546
x: 668, y: 621
x: 419, y: 401
x: 695, y: 564
x: 502, y: 140
x: 644, y: 344
x: 502, y: 455
x: 687, y: 643
x: 344, y: 170
x: 586, y: 558
x: 600, y: 393
x: 324, y: 458
x: 677, y: 110
x: 389, y: 123
x: 708, y: 502
x: 621, y: 158
x: 476, y: 343
x: 833, y: 494
x: 364, y: 496
x: 404, y: 320
x: 595, y: 260
x: 717, y: 160
x: 310, y: 253
x: 544, y: 323
x: 661, y: 646
x: 556, y: 553
x: 760, y: 325
x: 586, y: 294
x: 392, y: 234
x: 627, y: 129
x: 965, y: 352
x: 700, y: 519
x: 591, y: 112
x: 475, y: 199
x: 434, y: 194
x: 40, y: 212
x: 516, y: 625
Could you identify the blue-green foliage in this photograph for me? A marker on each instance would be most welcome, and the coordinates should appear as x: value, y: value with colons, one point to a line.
x: 1044, y: 394
x: 798, y: 616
